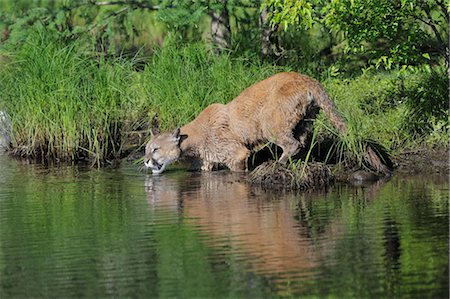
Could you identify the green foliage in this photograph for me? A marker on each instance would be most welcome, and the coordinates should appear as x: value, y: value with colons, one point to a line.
x: 182, y: 13
x: 111, y: 29
x: 290, y: 12
x: 377, y: 32
x: 391, y: 32
x: 383, y: 33
x: 362, y: 102
x: 425, y: 94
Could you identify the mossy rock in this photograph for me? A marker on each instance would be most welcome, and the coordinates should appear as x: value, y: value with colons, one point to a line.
x: 274, y: 175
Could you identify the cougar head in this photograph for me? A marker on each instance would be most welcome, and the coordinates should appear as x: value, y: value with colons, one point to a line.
x: 162, y: 150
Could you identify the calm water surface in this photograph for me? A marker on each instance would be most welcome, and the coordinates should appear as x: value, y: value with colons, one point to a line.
x: 73, y: 232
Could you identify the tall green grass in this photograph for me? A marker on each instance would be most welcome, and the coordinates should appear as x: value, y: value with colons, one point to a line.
x: 179, y: 82
x: 397, y: 109
x: 63, y: 104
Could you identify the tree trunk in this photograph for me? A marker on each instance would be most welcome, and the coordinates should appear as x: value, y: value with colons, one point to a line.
x: 220, y: 28
x: 269, y: 42
x: 443, y: 47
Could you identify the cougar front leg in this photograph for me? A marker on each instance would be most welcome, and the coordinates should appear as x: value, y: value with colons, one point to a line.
x: 238, y: 161
x: 207, y: 166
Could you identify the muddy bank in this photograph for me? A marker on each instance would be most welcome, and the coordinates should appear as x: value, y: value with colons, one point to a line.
x: 423, y: 160
x: 273, y: 175
x: 317, y: 175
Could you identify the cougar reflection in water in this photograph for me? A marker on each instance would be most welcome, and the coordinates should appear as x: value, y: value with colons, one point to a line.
x: 261, y: 225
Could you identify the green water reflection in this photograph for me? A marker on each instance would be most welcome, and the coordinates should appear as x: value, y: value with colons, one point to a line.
x: 74, y: 232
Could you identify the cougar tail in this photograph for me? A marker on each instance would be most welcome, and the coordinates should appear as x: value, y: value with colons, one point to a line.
x: 374, y: 155
x: 328, y: 107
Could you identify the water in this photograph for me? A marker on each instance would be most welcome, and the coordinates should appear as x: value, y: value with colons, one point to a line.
x: 74, y: 232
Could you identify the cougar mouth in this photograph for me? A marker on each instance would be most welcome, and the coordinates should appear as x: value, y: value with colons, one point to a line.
x: 158, y: 168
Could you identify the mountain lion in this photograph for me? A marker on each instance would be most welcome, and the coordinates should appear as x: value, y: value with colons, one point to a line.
x: 279, y: 109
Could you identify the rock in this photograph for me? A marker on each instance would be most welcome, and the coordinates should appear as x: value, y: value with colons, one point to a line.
x: 5, y: 129
x: 363, y: 176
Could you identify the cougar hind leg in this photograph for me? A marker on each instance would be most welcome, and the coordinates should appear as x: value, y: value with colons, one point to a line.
x: 303, y: 130
x: 290, y: 147
x: 305, y: 125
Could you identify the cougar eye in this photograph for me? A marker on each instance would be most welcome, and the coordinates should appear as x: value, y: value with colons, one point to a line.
x: 155, y: 150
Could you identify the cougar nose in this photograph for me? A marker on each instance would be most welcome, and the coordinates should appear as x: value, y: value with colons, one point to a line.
x: 147, y: 162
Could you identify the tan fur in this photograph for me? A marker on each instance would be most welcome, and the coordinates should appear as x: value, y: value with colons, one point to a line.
x: 269, y: 110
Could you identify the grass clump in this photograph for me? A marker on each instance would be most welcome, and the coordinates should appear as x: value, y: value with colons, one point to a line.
x: 63, y: 104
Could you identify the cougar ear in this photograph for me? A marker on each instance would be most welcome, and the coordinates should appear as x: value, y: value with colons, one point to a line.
x: 154, y: 129
x: 183, y: 137
x: 176, y: 135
